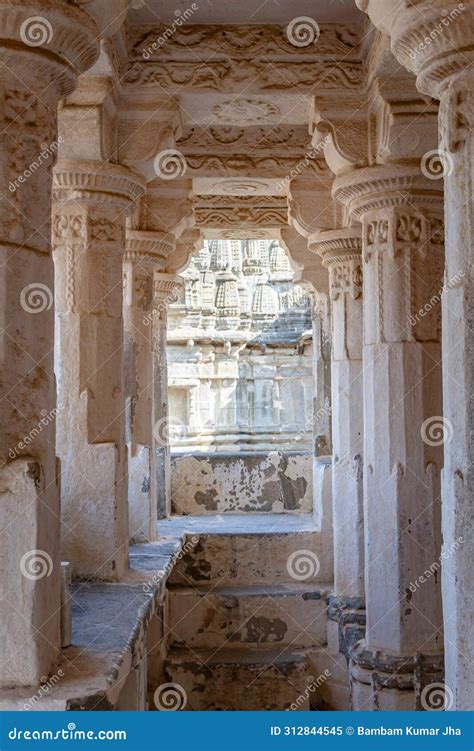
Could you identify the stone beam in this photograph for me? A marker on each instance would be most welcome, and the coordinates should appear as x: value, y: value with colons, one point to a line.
x: 254, y: 57
x: 227, y: 212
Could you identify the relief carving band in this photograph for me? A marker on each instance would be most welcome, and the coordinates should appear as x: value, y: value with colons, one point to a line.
x: 236, y: 377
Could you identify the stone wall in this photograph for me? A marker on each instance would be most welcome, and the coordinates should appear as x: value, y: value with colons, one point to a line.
x: 216, y: 483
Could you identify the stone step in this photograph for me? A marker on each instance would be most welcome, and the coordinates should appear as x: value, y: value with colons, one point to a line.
x: 269, y: 556
x: 238, y: 679
x: 287, y: 614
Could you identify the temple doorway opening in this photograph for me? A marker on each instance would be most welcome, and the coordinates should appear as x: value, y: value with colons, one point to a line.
x: 240, y: 389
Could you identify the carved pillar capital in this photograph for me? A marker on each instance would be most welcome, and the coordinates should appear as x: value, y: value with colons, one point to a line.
x: 166, y: 289
x: 149, y: 248
x: 432, y: 40
x: 50, y: 43
x: 372, y: 188
x: 96, y: 183
x: 341, y: 253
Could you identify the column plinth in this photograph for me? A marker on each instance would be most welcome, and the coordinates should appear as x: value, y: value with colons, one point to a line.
x: 91, y: 201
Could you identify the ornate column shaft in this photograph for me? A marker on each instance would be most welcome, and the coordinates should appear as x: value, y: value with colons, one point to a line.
x: 147, y: 294
x: 434, y: 41
x: 91, y: 201
x: 403, y: 262
x: 38, y: 53
x: 341, y: 253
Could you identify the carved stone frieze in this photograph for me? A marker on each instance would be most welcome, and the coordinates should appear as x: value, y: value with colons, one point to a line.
x: 241, y: 216
x: 229, y: 75
x: 207, y: 165
x: 273, y: 138
x: 333, y: 41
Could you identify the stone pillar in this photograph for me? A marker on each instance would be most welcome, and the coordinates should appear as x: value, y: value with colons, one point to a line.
x: 402, y: 270
x: 40, y: 54
x: 147, y: 294
x: 456, y: 127
x: 91, y: 202
x: 341, y: 253
x: 166, y: 288
x: 322, y: 432
x: 443, y: 71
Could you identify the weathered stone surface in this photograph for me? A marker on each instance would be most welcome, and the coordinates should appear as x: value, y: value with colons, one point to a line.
x: 283, y: 615
x: 278, y: 482
x: 263, y: 680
